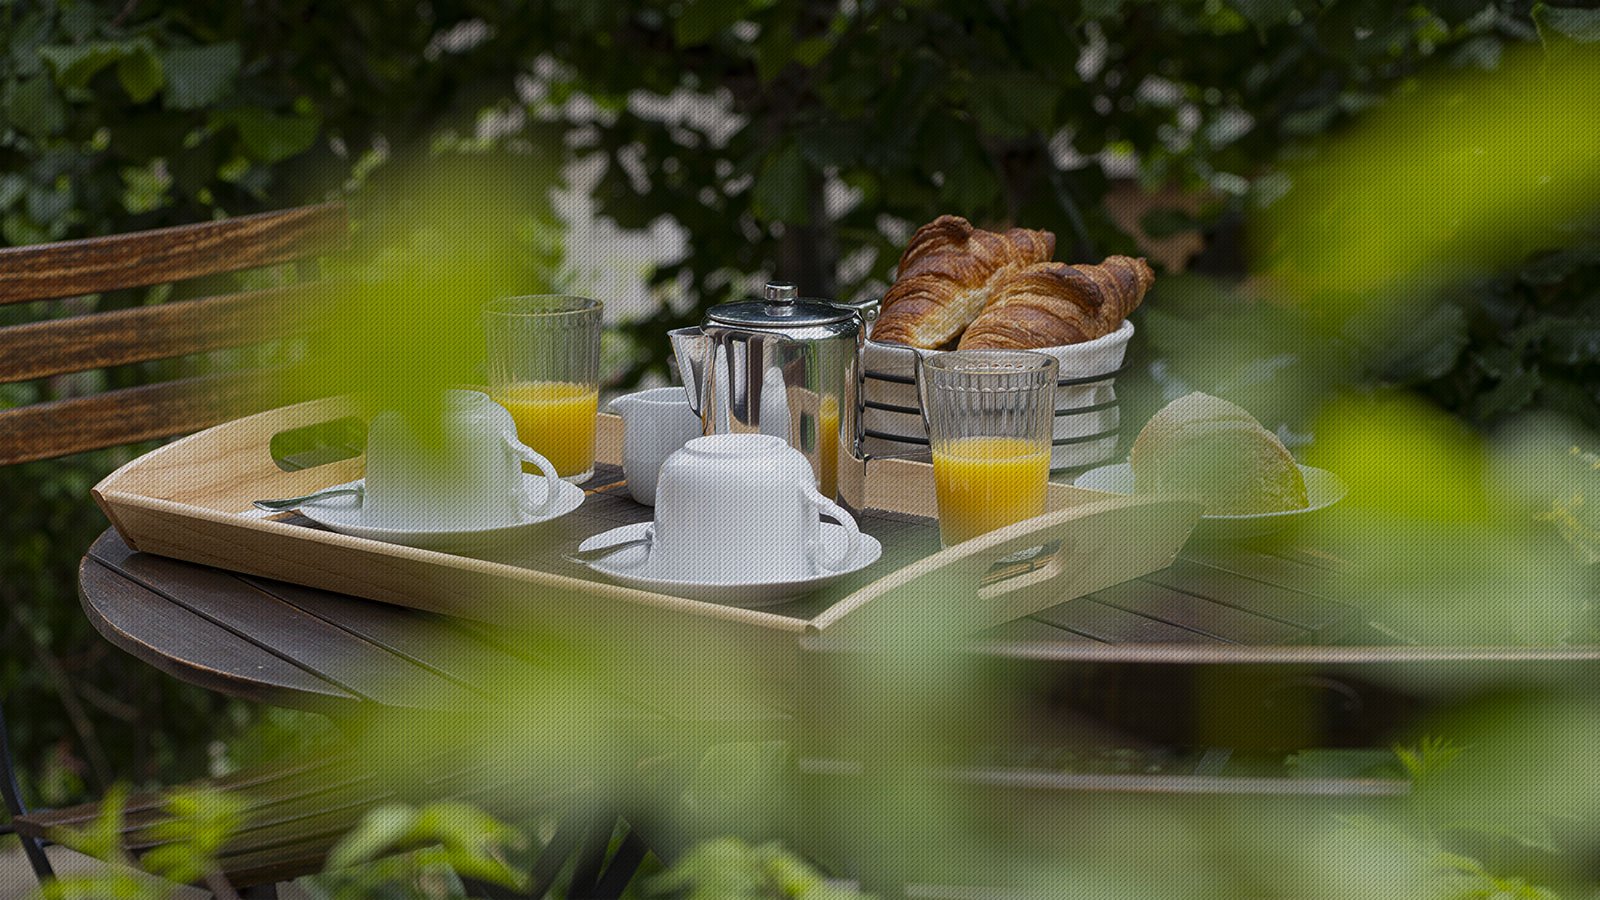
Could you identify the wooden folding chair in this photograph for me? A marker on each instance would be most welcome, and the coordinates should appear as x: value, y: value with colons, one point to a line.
x: 178, y: 393
x: 294, y: 812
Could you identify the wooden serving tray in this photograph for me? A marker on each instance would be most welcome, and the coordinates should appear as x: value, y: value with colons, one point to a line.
x: 189, y: 500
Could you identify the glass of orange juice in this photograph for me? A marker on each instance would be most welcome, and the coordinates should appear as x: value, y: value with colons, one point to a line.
x: 990, y: 417
x: 543, y: 361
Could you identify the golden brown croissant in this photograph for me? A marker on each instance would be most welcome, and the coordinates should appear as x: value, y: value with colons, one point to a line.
x: 1051, y: 304
x: 1123, y: 282
x: 945, y: 278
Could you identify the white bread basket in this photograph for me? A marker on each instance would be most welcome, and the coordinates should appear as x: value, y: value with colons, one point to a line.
x: 1087, y: 419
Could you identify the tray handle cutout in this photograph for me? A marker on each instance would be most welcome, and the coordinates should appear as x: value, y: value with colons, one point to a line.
x: 318, y: 444
x: 1019, y: 570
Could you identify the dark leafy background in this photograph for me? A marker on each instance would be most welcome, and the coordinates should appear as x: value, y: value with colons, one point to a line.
x: 838, y: 128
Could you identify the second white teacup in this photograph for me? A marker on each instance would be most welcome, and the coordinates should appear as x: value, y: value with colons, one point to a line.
x: 458, y: 468
x: 744, y: 508
x: 655, y: 423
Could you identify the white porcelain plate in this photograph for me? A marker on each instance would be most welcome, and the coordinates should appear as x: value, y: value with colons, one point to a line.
x: 633, y: 567
x: 1323, y: 489
x: 344, y: 515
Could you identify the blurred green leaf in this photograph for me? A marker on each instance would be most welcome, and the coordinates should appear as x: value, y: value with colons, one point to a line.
x: 75, y: 65
x: 779, y: 193
x: 809, y: 52
x: 140, y: 73
x: 1514, y: 388
x: 12, y: 187
x: 1012, y: 104
x: 453, y: 837
x: 1431, y: 755
x: 1573, y: 23
x: 701, y: 19
x: 1575, y: 343
x: 145, y: 189
x: 774, y: 49
x: 29, y: 32
x: 49, y: 205
x: 728, y: 868
x: 267, y: 136
x: 379, y: 831
x: 34, y: 106
x: 18, y: 231
x: 1410, y: 345
x: 200, y: 76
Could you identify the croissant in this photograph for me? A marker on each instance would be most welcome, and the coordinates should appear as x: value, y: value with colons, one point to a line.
x: 1051, y: 304
x: 946, y: 275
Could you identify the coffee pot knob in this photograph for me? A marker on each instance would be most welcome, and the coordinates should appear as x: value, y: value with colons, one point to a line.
x: 780, y: 296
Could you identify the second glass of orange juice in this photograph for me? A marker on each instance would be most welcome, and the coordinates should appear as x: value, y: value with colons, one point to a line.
x: 543, y: 360
x: 990, y: 416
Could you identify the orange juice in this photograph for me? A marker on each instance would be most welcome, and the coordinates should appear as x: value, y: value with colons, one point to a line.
x: 828, y: 446
x: 556, y: 418
x: 984, y: 483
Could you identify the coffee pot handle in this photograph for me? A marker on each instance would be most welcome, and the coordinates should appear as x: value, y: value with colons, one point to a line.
x: 836, y: 512
x: 552, y: 481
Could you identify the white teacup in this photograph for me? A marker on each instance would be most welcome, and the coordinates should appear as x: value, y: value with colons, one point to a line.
x: 744, y: 508
x: 654, y: 424
x: 459, y: 469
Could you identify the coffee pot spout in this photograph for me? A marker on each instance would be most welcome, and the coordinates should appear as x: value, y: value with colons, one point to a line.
x: 692, y: 347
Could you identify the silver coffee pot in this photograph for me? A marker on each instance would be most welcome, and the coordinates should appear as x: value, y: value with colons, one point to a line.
x: 787, y: 366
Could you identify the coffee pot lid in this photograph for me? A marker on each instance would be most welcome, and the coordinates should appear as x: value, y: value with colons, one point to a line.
x: 781, y: 306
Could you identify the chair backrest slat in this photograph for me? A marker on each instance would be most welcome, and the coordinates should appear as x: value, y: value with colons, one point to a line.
x: 177, y: 328
x: 143, y: 413
x: 163, y: 255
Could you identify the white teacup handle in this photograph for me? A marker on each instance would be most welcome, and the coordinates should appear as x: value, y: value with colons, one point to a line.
x: 552, y: 481
x: 829, y: 508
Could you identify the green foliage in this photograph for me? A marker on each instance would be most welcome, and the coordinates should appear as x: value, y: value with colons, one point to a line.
x: 395, y: 852
x: 729, y: 869
x: 420, y: 852
x: 1426, y: 760
x: 203, y: 821
x: 1456, y: 873
x: 400, y: 852
x: 854, y: 125
x: 1558, y: 24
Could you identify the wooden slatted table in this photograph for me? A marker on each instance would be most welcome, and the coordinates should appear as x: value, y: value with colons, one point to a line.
x: 1282, y: 624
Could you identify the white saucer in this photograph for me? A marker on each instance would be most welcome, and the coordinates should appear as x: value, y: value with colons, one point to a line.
x: 1323, y: 489
x: 344, y: 515
x: 633, y: 567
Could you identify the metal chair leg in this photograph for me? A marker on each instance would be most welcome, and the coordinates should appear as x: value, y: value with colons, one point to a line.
x: 624, y: 864
x: 569, y: 833
x: 591, y: 856
x: 593, y: 877
x: 31, y: 847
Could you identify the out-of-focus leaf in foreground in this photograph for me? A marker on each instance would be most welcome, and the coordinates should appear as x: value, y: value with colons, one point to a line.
x: 1459, y: 173
x: 443, y: 236
x: 1442, y: 527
